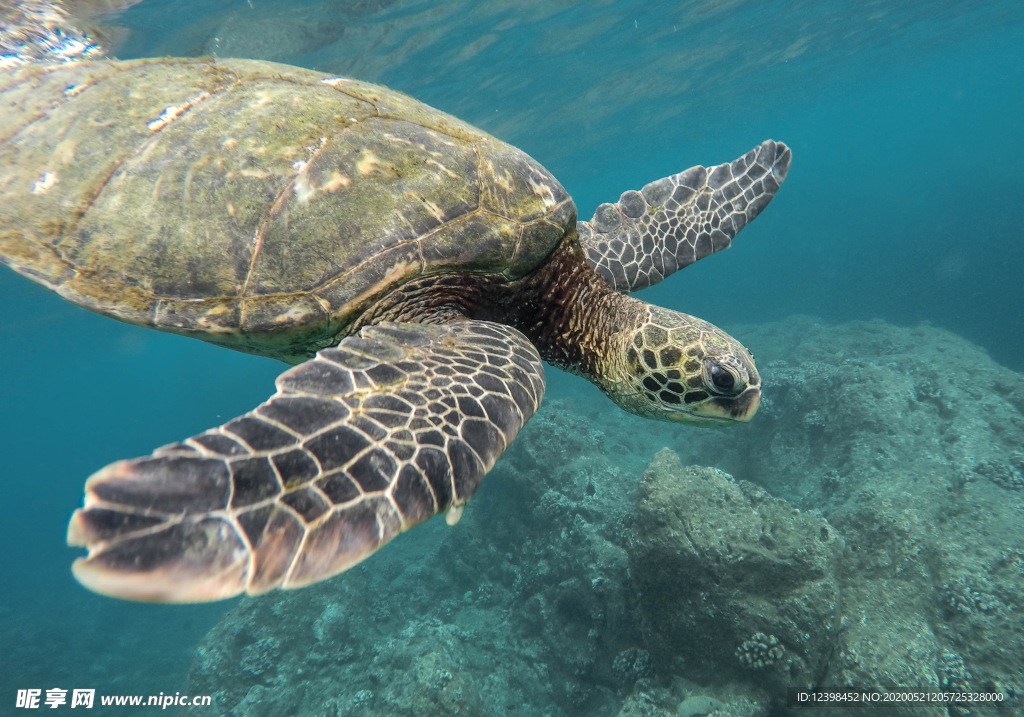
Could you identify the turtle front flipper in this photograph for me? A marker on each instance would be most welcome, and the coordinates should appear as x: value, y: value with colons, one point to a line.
x: 673, y: 222
x: 358, y: 444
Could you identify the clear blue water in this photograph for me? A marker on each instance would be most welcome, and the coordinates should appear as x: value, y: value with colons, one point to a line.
x: 903, y: 203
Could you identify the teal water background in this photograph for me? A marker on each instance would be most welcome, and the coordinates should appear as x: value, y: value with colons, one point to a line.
x: 903, y: 203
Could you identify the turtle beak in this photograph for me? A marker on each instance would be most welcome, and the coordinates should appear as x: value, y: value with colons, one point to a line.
x: 746, y: 404
x: 723, y: 411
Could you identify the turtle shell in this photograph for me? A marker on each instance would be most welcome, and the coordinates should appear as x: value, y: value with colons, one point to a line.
x: 254, y: 205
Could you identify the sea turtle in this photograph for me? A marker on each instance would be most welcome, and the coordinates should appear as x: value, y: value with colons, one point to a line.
x: 414, y: 269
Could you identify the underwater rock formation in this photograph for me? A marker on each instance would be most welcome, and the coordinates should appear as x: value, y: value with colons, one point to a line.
x: 731, y: 583
x: 872, y: 501
x: 901, y: 439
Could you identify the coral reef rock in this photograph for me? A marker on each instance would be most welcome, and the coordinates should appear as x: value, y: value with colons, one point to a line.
x: 908, y: 441
x: 733, y: 584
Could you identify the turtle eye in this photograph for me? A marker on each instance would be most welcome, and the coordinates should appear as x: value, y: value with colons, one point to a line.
x: 722, y: 378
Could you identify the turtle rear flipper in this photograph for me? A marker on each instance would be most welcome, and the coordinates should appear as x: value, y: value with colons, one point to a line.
x: 673, y: 222
x: 358, y: 444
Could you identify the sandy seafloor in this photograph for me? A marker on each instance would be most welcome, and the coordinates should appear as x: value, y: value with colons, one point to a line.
x: 864, y: 531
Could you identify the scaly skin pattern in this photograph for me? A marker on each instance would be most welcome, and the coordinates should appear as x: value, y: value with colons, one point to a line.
x: 391, y: 427
x: 653, y: 362
x: 363, y: 442
x: 670, y: 371
x: 677, y: 220
x: 253, y: 205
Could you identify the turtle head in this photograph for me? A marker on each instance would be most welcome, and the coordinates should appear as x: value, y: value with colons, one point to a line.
x: 675, y: 367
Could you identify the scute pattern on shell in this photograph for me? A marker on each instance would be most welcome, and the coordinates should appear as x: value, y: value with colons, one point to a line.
x: 364, y: 441
x: 254, y: 205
